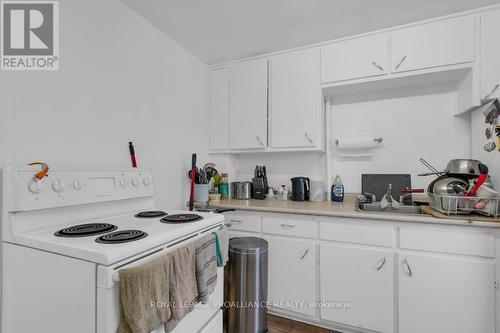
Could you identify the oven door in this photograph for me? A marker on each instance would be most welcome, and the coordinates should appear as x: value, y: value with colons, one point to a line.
x: 108, y: 292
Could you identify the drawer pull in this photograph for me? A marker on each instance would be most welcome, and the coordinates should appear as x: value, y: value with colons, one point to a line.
x: 260, y: 140
x: 400, y: 62
x: 236, y: 221
x: 408, y: 267
x: 304, y: 254
x: 308, y: 138
x: 287, y: 226
x: 492, y: 91
x: 378, y: 66
x: 382, y: 264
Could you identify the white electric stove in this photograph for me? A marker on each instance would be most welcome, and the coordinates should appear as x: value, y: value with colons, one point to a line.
x: 66, y: 236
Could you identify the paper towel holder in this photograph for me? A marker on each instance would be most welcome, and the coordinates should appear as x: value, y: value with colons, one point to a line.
x: 377, y: 140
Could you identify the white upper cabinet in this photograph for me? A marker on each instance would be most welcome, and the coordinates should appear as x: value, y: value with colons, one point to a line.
x: 490, y: 54
x: 445, y: 295
x: 354, y: 59
x: 430, y: 45
x: 219, y: 109
x: 295, y: 100
x: 365, y: 279
x: 248, y: 106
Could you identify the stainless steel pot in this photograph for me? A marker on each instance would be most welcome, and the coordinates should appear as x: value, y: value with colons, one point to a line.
x: 241, y: 190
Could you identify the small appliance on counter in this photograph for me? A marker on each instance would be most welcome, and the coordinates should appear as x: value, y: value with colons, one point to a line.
x: 241, y: 190
x: 300, y: 188
x: 260, y: 184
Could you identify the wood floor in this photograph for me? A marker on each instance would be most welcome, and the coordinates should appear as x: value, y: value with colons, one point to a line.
x: 277, y: 324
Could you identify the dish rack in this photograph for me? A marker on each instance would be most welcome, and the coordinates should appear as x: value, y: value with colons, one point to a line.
x: 454, y: 205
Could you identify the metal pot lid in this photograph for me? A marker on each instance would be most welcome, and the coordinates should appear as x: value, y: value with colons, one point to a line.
x: 247, y: 245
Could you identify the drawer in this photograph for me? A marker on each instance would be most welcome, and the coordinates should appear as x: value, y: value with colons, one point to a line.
x: 356, y: 231
x: 290, y: 225
x: 243, y: 221
x: 474, y: 244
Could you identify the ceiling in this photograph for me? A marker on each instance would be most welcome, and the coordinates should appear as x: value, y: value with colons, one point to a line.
x: 223, y: 30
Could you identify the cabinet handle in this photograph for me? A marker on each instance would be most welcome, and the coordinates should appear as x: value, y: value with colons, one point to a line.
x: 492, y: 91
x: 287, y: 226
x: 304, y: 254
x: 400, y: 62
x: 379, y: 267
x: 410, y: 271
x: 378, y: 66
x: 308, y: 138
x: 260, y: 140
x: 235, y: 221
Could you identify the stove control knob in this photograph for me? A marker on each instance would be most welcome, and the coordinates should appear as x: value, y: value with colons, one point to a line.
x: 77, y: 185
x: 135, y: 182
x: 35, y: 186
x: 58, y: 185
x: 123, y: 182
x: 147, y: 181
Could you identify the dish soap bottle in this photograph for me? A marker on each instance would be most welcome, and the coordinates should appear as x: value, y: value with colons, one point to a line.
x: 337, y: 193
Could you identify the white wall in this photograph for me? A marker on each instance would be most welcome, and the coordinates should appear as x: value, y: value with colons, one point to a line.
x: 411, y: 126
x: 120, y: 80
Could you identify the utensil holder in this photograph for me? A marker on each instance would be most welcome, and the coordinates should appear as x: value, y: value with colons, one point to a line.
x: 201, y: 192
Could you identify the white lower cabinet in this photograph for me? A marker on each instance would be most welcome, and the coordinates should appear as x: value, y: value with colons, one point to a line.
x: 292, y: 274
x: 429, y: 279
x: 363, y: 278
x: 215, y: 325
x: 445, y: 295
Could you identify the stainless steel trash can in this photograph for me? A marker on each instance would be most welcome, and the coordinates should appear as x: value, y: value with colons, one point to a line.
x: 247, y: 285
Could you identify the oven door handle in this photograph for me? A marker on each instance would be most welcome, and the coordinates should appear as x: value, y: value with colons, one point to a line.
x: 116, y: 276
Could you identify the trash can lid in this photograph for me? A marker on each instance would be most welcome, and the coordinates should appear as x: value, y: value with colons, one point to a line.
x: 247, y: 245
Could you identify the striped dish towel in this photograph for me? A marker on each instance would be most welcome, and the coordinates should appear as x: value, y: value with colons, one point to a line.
x: 206, y: 267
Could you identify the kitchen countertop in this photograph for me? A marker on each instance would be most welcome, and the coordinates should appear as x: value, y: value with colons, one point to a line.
x: 345, y: 209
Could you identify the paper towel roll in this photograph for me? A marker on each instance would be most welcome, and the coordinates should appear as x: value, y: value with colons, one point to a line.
x: 357, y: 143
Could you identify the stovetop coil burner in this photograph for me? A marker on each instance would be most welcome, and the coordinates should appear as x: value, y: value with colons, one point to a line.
x: 121, y: 236
x: 88, y: 229
x: 181, y: 218
x: 150, y: 214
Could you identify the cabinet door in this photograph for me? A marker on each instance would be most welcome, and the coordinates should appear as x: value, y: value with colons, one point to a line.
x: 248, y: 116
x: 443, y: 295
x: 295, y: 100
x: 355, y: 58
x: 490, y: 54
x: 292, y: 274
x: 219, y: 109
x: 364, y: 279
x: 215, y: 325
x: 435, y: 44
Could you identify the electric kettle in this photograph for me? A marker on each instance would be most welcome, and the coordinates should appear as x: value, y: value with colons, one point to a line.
x: 300, y: 188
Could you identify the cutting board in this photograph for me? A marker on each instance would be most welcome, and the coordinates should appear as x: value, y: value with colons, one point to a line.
x: 474, y: 217
x: 377, y: 184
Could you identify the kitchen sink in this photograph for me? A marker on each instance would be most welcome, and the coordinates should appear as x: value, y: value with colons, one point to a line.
x: 375, y: 207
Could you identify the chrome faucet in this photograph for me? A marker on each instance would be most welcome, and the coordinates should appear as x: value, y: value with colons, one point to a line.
x: 388, y: 193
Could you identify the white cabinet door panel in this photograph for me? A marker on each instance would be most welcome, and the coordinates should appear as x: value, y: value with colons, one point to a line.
x: 219, y: 109
x: 445, y: 295
x: 354, y: 59
x: 295, y: 100
x: 430, y: 45
x: 292, y: 274
x: 490, y: 54
x: 248, y: 115
x: 363, y: 278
